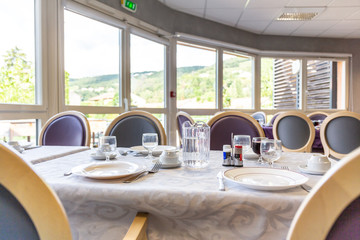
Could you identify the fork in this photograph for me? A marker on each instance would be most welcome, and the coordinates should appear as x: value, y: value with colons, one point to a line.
x: 154, y: 169
x: 284, y: 167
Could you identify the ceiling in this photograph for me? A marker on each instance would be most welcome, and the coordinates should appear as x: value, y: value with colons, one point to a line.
x: 335, y: 19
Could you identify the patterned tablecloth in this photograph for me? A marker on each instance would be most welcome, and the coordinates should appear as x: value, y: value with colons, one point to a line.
x: 183, y: 203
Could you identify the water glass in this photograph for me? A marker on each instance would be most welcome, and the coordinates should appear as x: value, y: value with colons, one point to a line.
x: 108, y: 146
x: 244, y: 141
x: 270, y: 150
x: 149, y: 142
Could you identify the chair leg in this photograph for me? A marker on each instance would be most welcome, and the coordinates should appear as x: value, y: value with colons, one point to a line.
x: 137, y: 230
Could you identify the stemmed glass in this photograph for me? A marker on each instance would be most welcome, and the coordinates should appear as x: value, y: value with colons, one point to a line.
x: 256, y: 146
x: 270, y: 150
x: 107, y: 146
x: 150, y: 141
x: 244, y: 141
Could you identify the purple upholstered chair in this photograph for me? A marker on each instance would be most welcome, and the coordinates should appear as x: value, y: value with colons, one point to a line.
x: 238, y: 123
x: 182, y: 117
x: 332, y: 208
x: 317, y: 116
x: 69, y: 128
x: 259, y: 116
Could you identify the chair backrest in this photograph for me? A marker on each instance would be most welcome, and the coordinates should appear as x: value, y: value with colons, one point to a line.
x: 272, y: 120
x: 340, y: 133
x: 332, y: 209
x: 129, y: 127
x: 317, y: 115
x: 295, y: 130
x: 225, y: 123
x: 182, y: 117
x: 69, y: 128
x: 259, y: 116
x: 29, y: 208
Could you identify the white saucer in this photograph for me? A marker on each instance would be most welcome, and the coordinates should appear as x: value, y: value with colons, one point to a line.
x: 101, y: 157
x: 304, y: 169
x: 171, y: 165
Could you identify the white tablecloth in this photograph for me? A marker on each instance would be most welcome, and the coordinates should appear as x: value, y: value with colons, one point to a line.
x: 46, y: 153
x: 183, y: 203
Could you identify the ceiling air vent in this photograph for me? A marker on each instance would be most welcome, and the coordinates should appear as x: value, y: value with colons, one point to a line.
x: 300, y: 13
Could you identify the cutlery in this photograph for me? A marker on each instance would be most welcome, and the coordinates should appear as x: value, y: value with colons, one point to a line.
x: 221, y: 181
x: 154, y: 169
x: 306, y: 187
x: 285, y: 167
x: 68, y: 173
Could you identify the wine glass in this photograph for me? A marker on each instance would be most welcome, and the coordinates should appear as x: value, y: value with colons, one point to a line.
x: 256, y: 146
x: 244, y: 141
x: 150, y: 141
x: 270, y: 150
x: 107, y: 146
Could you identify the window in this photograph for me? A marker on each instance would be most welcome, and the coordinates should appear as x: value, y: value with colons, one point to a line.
x: 147, y: 73
x: 17, y: 52
x: 92, y: 61
x: 18, y: 130
x: 280, y: 83
x: 325, y: 86
x: 196, y: 76
x: 237, y: 81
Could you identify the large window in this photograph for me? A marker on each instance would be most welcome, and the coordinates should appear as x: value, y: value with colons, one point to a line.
x: 147, y: 73
x: 92, y: 61
x: 237, y: 81
x: 17, y: 52
x: 196, y: 76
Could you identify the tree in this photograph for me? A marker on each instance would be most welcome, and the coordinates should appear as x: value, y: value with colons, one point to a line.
x: 17, y: 78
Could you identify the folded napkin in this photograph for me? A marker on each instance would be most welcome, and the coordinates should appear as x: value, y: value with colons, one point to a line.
x: 250, y: 155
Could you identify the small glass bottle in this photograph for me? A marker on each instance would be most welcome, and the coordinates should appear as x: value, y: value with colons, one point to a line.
x: 226, y: 155
x: 238, y: 161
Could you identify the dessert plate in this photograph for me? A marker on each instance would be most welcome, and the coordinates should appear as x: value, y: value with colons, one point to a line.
x: 101, y: 157
x: 157, y: 151
x: 269, y: 179
x: 305, y: 169
x: 171, y: 165
x: 108, y: 170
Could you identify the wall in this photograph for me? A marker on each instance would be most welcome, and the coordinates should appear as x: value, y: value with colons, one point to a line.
x: 159, y: 15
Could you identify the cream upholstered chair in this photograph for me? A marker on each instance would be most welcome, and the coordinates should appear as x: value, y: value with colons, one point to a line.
x: 128, y: 128
x: 69, y: 128
x: 295, y: 130
x: 340, y: 133
x: 225, y: 123
x: 182, y: 117
x: 332, y: 208
x: 30, y: 209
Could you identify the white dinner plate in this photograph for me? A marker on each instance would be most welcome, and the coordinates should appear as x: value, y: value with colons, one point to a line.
x: 305, y: 169
x: 108, y: 170
x: 157, y: 151
x: 101, y: 157
x: 265, y: 178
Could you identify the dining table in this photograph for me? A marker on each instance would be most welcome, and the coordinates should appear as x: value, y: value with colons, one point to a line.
x: 182, y: 202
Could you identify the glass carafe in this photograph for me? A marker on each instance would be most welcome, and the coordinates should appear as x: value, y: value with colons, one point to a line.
x: 196, y: 144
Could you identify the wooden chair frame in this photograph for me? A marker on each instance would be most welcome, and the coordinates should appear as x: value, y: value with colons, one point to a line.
x: 327, y: 200
x: 308, y: 146
x: 181, y: 113
x: 38, y: 199
x: 327, y: 150
x: 316, y: 113
x: 139, y: 113
x: 240, y: 114
x: 80, y: 115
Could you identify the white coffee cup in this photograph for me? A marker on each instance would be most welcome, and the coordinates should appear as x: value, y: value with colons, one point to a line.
x: 318, y: 162
x: 169, y: 156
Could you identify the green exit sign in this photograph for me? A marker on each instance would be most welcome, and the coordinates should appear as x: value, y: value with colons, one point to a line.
x: 129, y: 5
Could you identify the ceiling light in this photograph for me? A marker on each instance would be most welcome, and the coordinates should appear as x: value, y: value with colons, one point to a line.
x: 300, y: 13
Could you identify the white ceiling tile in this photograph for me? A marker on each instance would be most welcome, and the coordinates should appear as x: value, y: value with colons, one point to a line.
x: 345, y: 3
x: 253, y: 26
x: 185, y: 3
x: 306, y: 33
x: 267, y: 3
x: 199, y: 12
x: 354, y: 34
x: 333, y: 13
x: 308, y: 3
x: 338, y: 34
x: 282, y: 28
x: 347, y: 24
x: 225, y: 4
x: 260, y: 14
x: 226, y: 16
x: 355, y: 15
x: 318, y: 25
